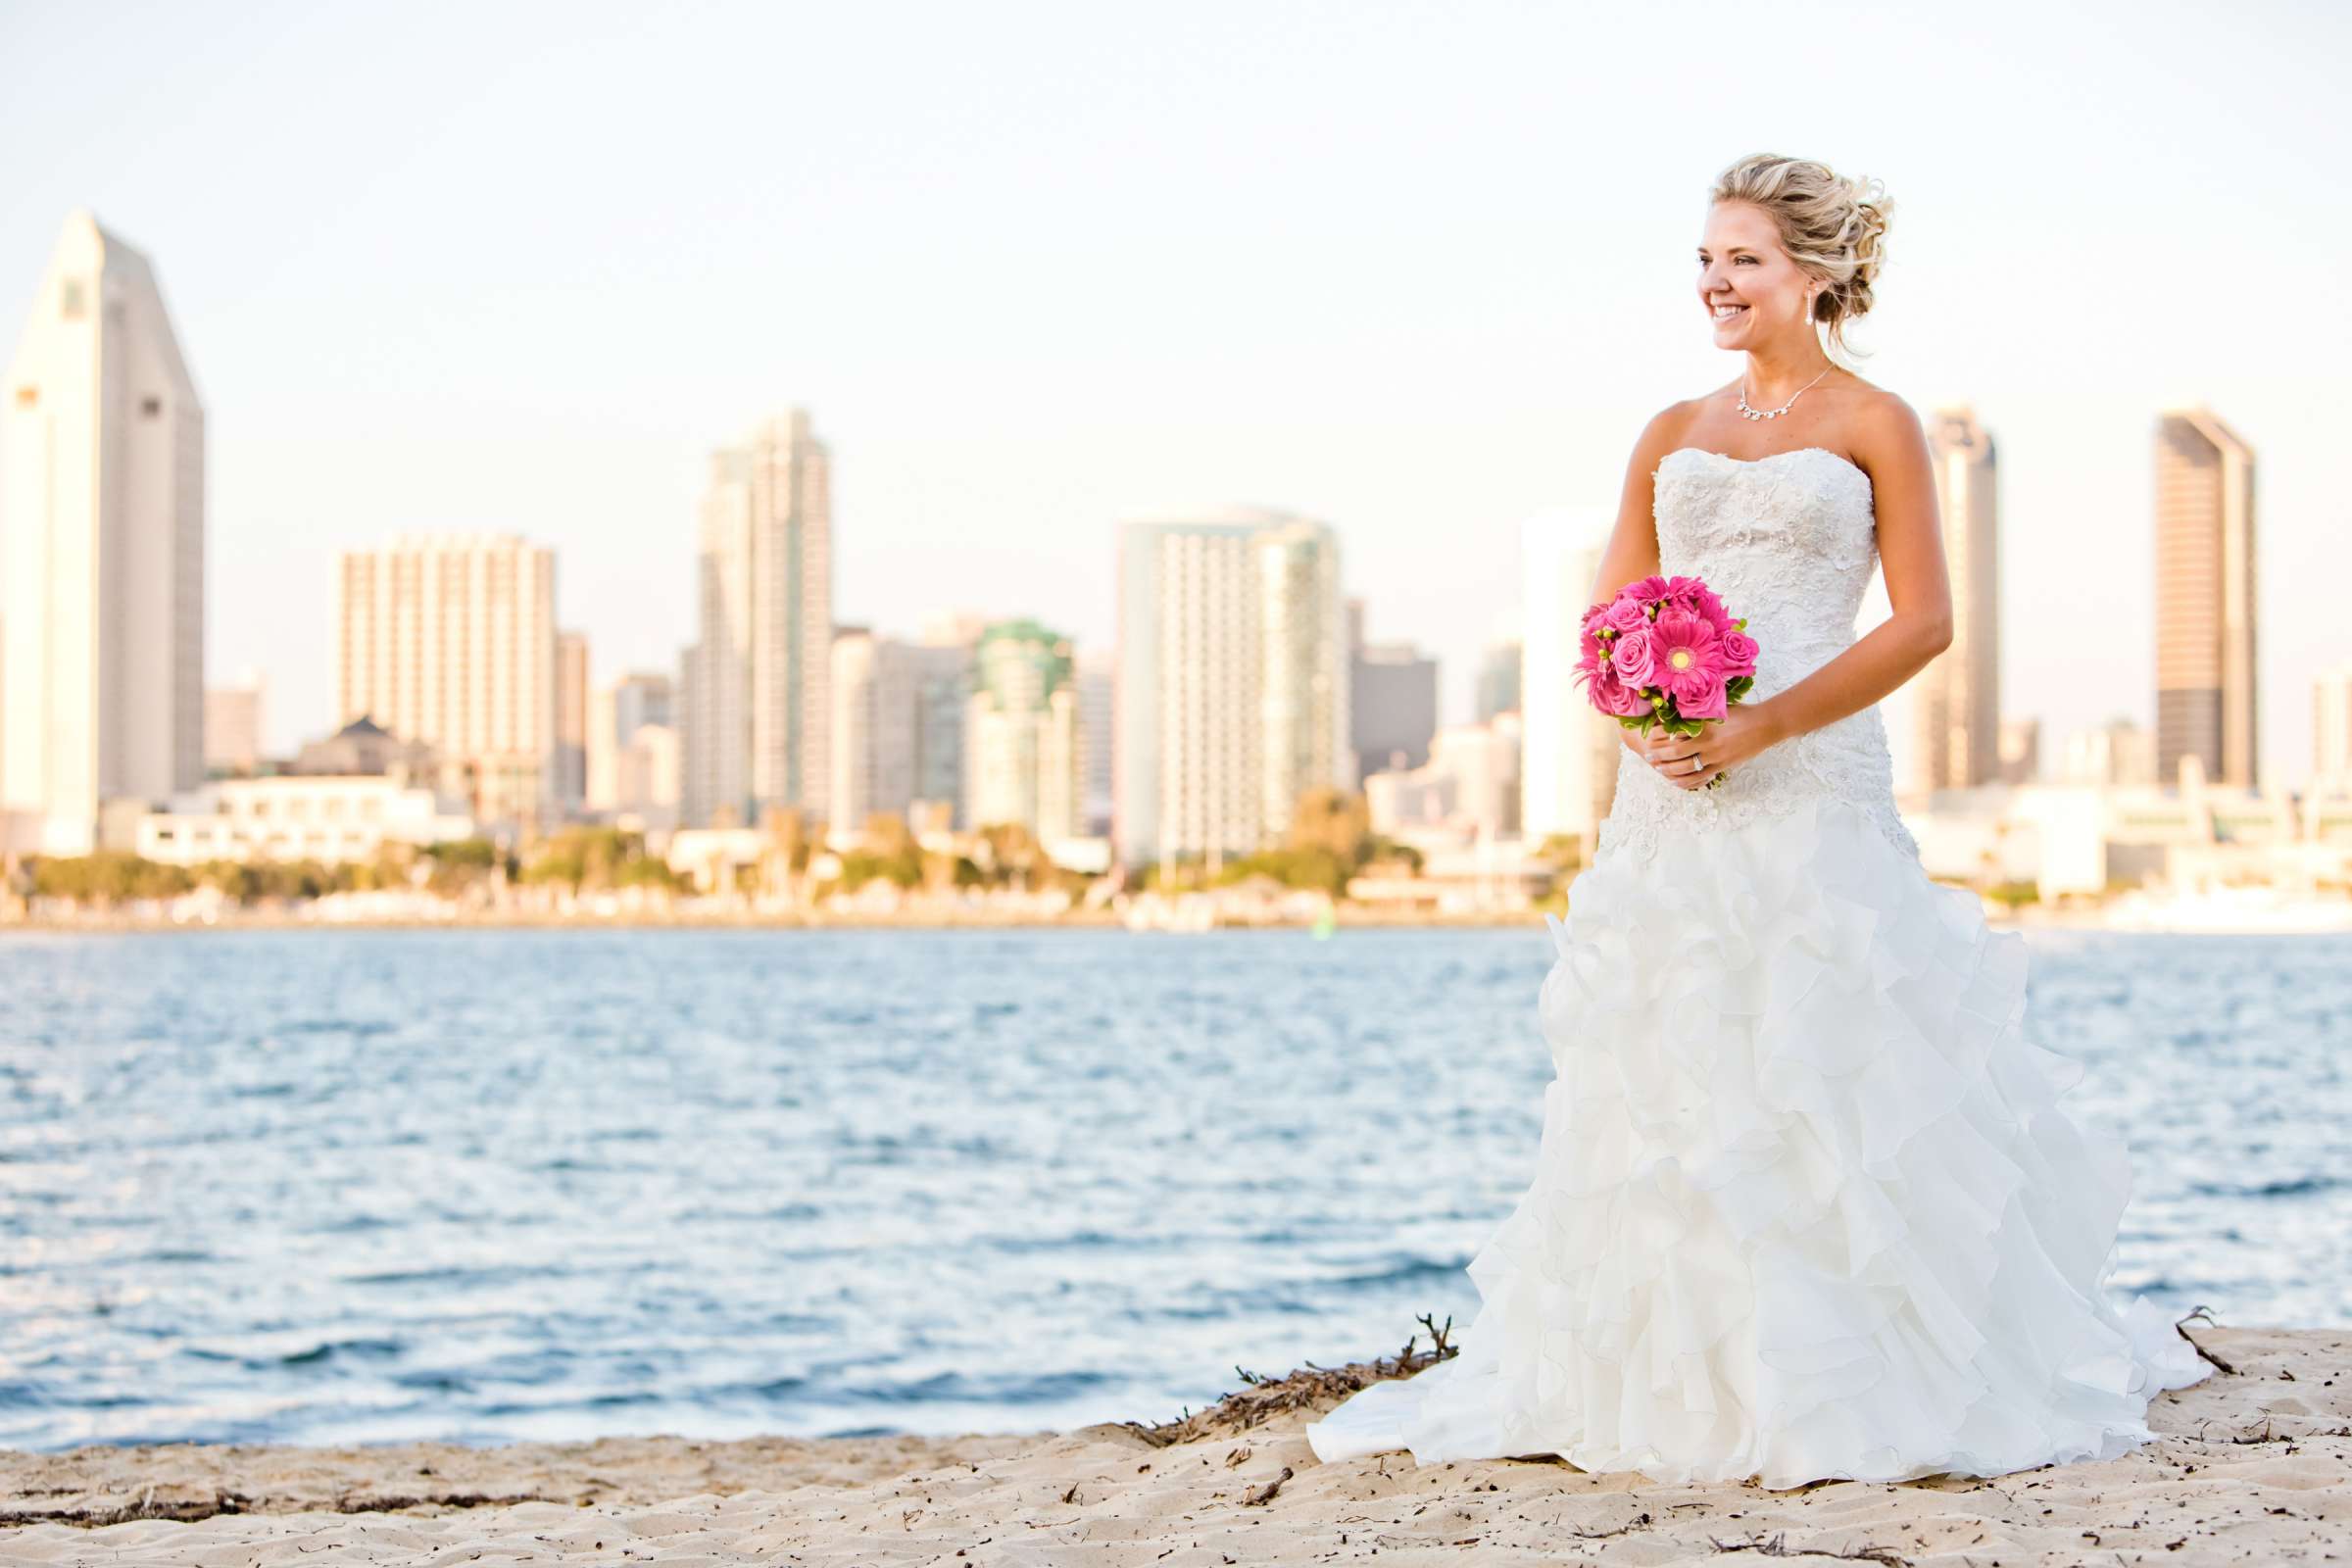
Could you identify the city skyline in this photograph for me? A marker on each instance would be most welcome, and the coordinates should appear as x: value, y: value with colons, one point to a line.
x: 1235, y: 624
x: 1108, y: 342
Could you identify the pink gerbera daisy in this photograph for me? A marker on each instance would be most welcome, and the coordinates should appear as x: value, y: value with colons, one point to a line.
x: 1687, y: 656
x: 1646, y: 589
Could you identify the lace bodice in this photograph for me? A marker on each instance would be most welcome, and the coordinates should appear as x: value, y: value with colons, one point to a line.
x: 1789, y: 542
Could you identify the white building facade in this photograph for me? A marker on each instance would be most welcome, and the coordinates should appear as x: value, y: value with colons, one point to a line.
x: 898, y: 726
x: 2331, y: 731
x: 758, y: 681
x: 1956, y: 701
x: 333, y: 820
x: 450, y: 640
x: 1568, y: 759
x: 102, y: 519
x: 1231, y: 692
x: 633, y: 753
x: 1022, y: 734
x: 1468, y: 791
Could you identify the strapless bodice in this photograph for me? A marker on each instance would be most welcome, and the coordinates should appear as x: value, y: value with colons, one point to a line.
x: 1789, y: 542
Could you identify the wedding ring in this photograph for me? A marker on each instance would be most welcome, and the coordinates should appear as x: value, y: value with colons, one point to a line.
x: 1695, y: 764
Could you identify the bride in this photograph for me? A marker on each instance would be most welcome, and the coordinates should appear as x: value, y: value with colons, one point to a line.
x: 1806, y: 1206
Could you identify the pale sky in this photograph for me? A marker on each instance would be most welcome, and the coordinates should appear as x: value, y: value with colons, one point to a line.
x: 1421, y: 271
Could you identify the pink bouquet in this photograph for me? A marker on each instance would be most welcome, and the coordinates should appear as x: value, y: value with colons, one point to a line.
x: 1666, y: 652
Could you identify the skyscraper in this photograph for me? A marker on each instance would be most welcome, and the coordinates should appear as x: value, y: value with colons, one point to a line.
x: 1305, y: 705
x: 2204, y: 599
x: 1096, y: 682
x: 2331, y: 731
x: 233, y: 727
x: 450, y: 639
x: 101, y: 551
x: 1956, y: 701
x: 898, y: 725
x: 1392, y: 702
x: 1568, y: 752
x: 1022, y: 740
x: 759, y: 679
x: 1231, y: 693
x: 617, y: 715
x: 1498, y: 669
x: 2021, y: 751
x: 571, y: 721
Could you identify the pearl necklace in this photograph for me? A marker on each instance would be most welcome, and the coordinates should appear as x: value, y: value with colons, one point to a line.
x: 1774, y: 414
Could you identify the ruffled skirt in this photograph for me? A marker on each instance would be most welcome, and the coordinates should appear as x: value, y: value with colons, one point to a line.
x: 1807, y: 1206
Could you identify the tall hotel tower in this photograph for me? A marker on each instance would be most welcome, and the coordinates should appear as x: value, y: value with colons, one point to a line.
x: 1956, y: 701
x: 450, y: 639
x: 101, y: 552
x: 1568, y: 752
x: 1022, y: 744
x: 2204, y: 599
x: 758, y: 681
x: 1231, y: 693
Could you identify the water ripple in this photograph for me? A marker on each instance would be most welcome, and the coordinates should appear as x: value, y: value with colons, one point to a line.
x: 342, y: 1187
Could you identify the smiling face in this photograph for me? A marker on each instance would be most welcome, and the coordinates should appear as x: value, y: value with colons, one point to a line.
x: 1742, y: 267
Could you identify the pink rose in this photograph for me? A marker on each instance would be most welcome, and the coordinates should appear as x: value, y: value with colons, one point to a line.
x: 1708, y: 704
x: 1632, y: 658
x: 1705, y: 602
x: 1626, y: 614
x: 1612, y: 696
x: 1740, y: 652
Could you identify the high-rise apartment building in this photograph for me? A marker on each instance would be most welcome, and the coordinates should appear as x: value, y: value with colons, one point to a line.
x: 101, y: 551
x: 759, y: 682
x: 2021, y: 751
x: 450, y: 640
x: 1021, y: 739
x: 233, y: 727
x: 2116, y: 753
x: 1499, y: 678
x: 2331, y: 731
x: 1956, y: 701
x: 1231, y: 688
x: 2204, y: 599
x: 618, y: 716
x: 1392, y: 702
x: 1097, y: 683
x: 571, y: 721
x: 898, y: 725
x: 1568, y: 752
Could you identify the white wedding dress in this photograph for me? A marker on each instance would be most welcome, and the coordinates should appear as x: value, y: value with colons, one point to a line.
x: 1807, y: 1206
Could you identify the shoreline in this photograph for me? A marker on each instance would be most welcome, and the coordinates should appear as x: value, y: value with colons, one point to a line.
x: 122, y: 925
x: 2252, y: 1464
x: 1530, y: 920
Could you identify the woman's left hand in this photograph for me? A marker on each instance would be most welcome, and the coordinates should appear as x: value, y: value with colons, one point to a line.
x: 1721, y: 745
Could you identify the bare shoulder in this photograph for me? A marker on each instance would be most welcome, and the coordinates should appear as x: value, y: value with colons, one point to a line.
x: 1664, y: 432
x: 1887, y: 432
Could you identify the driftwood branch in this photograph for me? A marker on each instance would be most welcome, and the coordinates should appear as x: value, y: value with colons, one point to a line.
x: 1776, y: 1545
x: 1262, y: 1398
x: 2204, y: 1313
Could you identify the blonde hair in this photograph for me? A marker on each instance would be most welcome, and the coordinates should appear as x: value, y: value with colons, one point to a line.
x: 1832, y: 227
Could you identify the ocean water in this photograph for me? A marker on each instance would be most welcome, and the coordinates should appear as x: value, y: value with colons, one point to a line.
x: 327, y: 1187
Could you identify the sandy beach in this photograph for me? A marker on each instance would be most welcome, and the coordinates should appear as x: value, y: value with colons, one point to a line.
x: 2252, y: 1465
